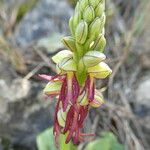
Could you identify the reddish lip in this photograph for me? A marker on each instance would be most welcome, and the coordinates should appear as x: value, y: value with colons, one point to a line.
x: 68, y: 98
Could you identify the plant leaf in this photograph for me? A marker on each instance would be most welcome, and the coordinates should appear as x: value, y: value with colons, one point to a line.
x: 45, y: 140
x: 107, y: 142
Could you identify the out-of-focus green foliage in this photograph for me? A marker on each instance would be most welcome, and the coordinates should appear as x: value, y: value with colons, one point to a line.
x: 107, y: 142
x: 45, y: 141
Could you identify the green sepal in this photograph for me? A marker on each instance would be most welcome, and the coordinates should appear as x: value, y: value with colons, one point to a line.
x: 98, y: 100
x: 61, y: 55
x: 61, y: 117
x: 67, y: 64
x: 102, y: 70
x: 81, y: 32
x: 89, y: 14
x: 93, y: 58
x: 52, y: 88
x: 69, y: 42
x: 99, y: 44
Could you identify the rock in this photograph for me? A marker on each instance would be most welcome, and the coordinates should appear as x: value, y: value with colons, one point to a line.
x: 142, y: 105
x: 47, y: 18
x: 23, y: 113
x: 143, y: 93
x: 6, y: 74
x: 1, y: 147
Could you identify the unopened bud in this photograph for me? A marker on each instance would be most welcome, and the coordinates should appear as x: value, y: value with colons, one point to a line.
x: 94, y: 3
x: 81, y: 32
x: 76, y: 19
x: 97, y: 26
x: 100, y: 9
x: 71, y: 26
x: 83, y: 4
x: 89, y: 14
x: 99, y: 44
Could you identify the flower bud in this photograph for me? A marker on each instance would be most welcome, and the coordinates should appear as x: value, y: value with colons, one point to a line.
x: 81, y: 32
x: 89, y: 14
x: 77, y: 8
x: 98, y: 100
x: 53, y: 88
x: 99, y: 44
x: 71, y: 26
x: 99, y: 9
x: 67, y: 64
x: 61, y: 55
x: 83, y: 4
x: 61, y: 117
x: 97, y: 26
x: 82, y: 99
x: 76, y: 19
x: 101, y: 70
x: 93, y: 58
x: 94, y: 3
x: 69, y: 42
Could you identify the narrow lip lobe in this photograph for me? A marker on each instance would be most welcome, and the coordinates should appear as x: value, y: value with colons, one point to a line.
x: 90, y: 86
x: 75, y: 89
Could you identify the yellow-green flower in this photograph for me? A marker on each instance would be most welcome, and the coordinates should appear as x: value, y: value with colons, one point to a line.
x: 78, y: 68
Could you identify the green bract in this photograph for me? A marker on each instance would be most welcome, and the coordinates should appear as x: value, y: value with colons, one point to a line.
x: 69, y: 42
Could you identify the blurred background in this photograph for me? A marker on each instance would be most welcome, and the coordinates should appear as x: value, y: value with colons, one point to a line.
x: 30, y: 33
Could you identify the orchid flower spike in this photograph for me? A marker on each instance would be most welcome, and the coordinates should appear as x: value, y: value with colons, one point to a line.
x: 78, y: 67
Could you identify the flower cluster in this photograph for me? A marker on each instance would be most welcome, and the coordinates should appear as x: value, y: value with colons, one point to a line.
x: 77, y: 69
